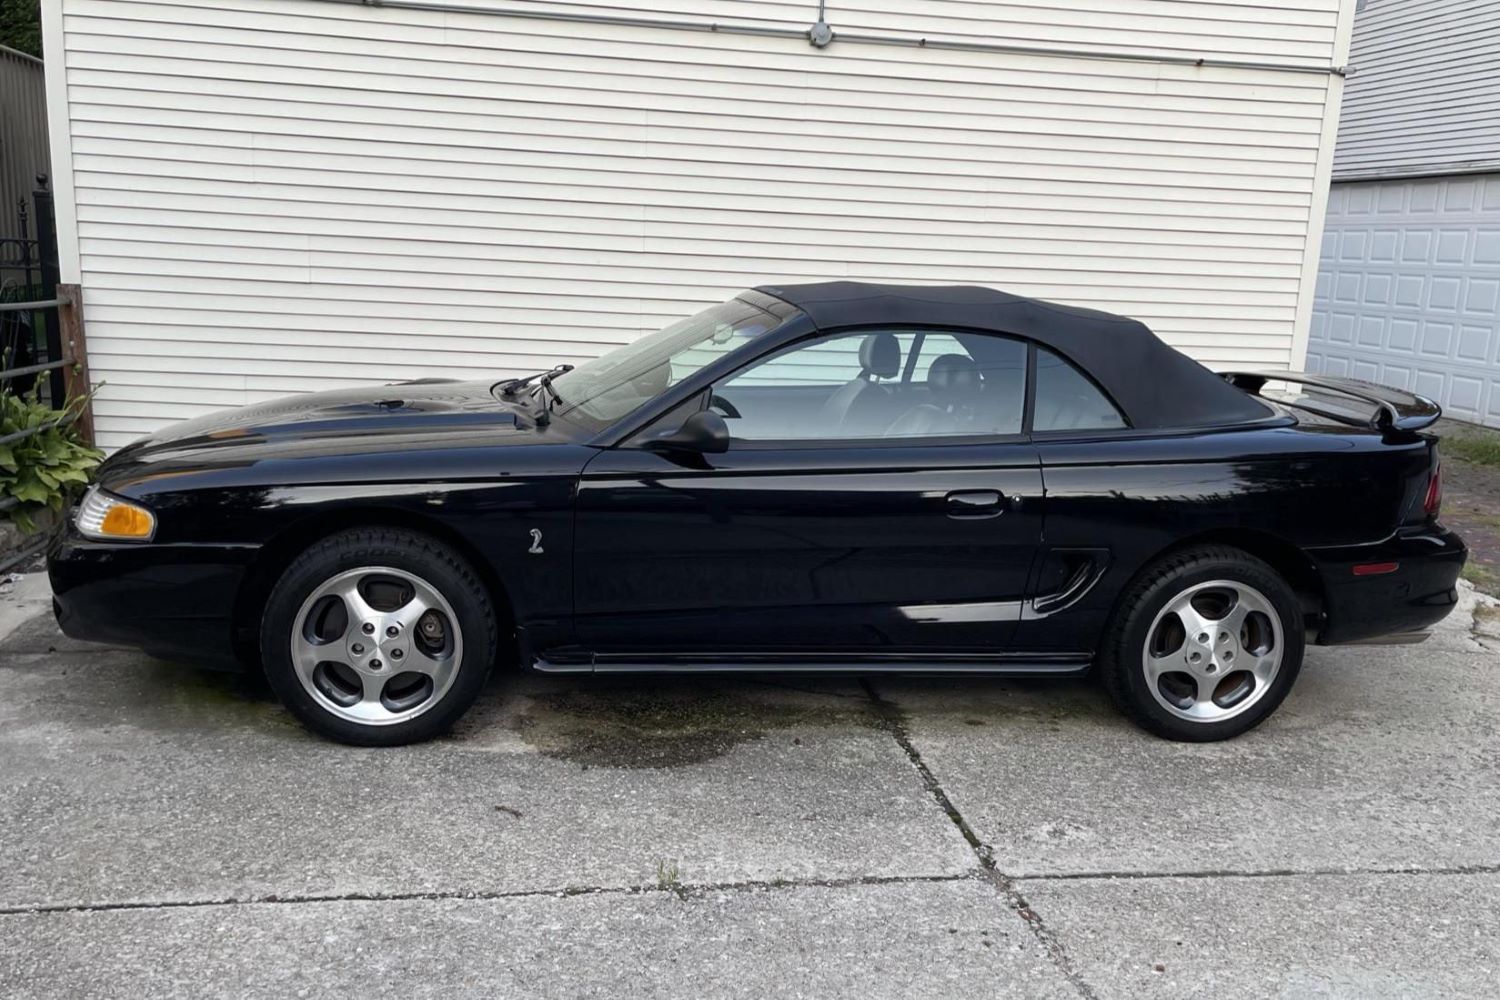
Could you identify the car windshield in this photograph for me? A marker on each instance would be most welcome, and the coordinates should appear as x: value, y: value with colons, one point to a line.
x: 607, y: 388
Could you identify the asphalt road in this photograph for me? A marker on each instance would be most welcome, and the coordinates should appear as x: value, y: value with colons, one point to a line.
x: 171, y: 833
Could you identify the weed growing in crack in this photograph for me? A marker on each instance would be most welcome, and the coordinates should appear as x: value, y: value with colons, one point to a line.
x: 667, y: 875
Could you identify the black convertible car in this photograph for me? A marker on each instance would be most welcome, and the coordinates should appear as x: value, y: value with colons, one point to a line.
x: 820, y: 478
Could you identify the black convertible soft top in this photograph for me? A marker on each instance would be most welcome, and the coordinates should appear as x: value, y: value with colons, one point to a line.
x: 1157, y: 386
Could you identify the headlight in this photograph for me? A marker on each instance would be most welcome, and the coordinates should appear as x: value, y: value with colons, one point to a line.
x: 109, y: 519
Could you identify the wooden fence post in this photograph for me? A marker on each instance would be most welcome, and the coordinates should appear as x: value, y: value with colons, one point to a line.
x: 74, y: 344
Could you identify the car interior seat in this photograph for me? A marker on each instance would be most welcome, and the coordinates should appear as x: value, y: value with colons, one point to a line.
x: 954, y: 385
x: 861, y: 399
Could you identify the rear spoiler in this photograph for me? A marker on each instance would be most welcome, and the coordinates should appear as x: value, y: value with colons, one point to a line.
x: 1395, y: 409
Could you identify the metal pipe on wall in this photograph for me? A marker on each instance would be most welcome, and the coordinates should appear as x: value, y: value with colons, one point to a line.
x: 821, y: 38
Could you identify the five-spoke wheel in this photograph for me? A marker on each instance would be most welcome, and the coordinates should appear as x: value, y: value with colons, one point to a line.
x: 1203, y: 645
x: 378, y: 636
x: 376, y: 645
x: 1213, y: 651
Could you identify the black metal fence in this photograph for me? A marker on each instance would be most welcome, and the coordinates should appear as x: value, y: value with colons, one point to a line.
x: 23, y: 128
x: 41, y: 332
x: 31, y: 343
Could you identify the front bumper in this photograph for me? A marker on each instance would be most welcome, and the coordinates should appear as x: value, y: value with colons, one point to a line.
x: 1416, y: 595
x: 174, y: 601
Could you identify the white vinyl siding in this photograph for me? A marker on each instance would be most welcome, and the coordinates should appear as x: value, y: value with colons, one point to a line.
x: 1425, y: 98
x: 282, y: 195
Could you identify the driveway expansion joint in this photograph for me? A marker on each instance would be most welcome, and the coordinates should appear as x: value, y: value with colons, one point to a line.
x: 893, y: 720
x: 689, y: 890
x: 1264, y: 873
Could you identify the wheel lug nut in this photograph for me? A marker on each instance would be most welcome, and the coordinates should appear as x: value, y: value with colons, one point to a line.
x: 375, y: 664
x: 357, y: 648
x: 391, y: 631
x: 396, y: 654
x: 368, y: 628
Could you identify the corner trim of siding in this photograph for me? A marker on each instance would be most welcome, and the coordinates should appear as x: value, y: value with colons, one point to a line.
x: 60, y: 130
x: 1322, y: 182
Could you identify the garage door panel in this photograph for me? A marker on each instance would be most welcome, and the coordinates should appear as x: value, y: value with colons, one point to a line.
x: 1483, y: 297
x: 1474, y: 344
x: 1409, y: 290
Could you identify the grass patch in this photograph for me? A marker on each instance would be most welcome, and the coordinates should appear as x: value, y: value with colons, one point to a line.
x: 1482, y: 577
x: 1476, y: 446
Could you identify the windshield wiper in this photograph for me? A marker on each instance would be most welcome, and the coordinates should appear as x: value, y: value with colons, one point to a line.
x: 544, y: 389
x: 510, y: 387
x: 546, y: 384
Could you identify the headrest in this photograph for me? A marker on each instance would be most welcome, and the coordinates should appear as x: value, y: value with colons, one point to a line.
x: 880, y: 355
x: 953, y: 375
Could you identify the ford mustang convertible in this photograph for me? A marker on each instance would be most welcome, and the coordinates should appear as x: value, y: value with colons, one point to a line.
x: 818, y: 478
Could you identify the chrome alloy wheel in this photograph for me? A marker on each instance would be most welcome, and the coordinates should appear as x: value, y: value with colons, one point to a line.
x: 376, y: 645
x: 1213, y: 651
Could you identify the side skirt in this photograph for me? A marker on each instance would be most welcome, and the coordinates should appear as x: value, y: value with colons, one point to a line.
x: 1009, y: 665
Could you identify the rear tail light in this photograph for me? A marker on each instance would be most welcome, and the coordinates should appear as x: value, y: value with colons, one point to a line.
x: 1433, y: 501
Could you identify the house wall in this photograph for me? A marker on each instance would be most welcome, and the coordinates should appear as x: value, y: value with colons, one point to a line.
x: 1424, y: 99
x: 1409, y: 288
x: 271, y: 196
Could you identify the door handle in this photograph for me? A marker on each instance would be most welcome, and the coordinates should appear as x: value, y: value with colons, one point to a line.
x: 975, y: 503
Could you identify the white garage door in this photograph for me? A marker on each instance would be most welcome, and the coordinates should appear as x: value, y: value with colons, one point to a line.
x: 1409, y: 290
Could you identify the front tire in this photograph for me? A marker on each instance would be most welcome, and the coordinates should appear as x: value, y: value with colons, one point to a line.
x: 1204, y: 645
x: 378, y: 637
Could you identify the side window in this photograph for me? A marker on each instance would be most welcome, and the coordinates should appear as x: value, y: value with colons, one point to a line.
x: 855, y: 386
x: 1067, y: 401
x: 933, y: 346
x: 830, y: 361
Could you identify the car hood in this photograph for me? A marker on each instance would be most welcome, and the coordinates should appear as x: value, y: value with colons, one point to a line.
x: 389, y: 420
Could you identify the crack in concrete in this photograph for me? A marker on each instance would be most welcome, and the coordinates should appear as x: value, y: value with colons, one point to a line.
x: 1265, y: 873
x: 689, y: 890
x: 894, y: 722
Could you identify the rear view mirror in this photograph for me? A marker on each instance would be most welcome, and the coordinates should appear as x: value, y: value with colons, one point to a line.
x: 703, y: 433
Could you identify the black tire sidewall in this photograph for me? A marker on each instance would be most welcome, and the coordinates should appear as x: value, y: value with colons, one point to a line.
x: 1129, y: 682
x: 419, y: 555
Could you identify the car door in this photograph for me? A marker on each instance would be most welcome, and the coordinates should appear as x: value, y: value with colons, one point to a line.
x: 878, y: 499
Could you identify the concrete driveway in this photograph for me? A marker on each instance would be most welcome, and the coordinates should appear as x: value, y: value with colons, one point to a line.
x: 168, y: 832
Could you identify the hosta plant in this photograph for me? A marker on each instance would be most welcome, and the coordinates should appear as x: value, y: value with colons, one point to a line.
x: 41, y: 470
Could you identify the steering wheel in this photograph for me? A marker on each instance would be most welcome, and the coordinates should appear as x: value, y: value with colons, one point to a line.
x: 723, y: 405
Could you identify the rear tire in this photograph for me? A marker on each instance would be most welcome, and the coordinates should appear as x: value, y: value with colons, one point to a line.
x: 378, y: 637
x: 1204, y: 645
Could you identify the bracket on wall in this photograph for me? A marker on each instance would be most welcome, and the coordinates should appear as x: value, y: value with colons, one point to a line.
x: 820, y: 34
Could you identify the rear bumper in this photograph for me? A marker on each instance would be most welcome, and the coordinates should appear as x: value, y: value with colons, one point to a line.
x: 1414, y: 596
x: 174, y: 601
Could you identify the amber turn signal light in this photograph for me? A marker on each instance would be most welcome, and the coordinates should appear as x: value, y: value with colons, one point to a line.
x: 126, y: 522
x: 105, y: 518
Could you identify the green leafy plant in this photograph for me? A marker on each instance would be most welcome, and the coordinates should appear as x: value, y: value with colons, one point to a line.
x: 40, y: 470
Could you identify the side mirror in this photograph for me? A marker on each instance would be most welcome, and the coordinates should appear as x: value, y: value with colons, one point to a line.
x: 704, y: 433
